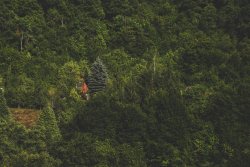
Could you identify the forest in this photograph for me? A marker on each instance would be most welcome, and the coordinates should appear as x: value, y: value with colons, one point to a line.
x: 168, y: 83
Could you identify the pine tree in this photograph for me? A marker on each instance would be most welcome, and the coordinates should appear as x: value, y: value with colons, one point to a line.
x: 4, y: 112
x: 98, y: 77
x: 48, y: 124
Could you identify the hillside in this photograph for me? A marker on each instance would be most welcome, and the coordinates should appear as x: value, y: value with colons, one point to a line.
x: 125, y: 83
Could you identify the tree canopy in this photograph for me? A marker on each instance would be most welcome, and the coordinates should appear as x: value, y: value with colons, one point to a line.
x: 170, y: 82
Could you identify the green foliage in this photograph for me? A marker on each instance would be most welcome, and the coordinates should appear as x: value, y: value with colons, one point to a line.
x: 86, y: 150
x: 22, y: 90
x: 4, y: 111
x: 25, y: 158
x: 176, y: 93
x: 69, y: 74
x: 48, y: 125
x: 22, y: 147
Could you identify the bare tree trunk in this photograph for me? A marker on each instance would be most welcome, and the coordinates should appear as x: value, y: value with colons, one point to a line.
x: 62, y: 23
x: 52, y: 102
x: 21, y: 42
x: 154, y: 70
x: 154, y: 64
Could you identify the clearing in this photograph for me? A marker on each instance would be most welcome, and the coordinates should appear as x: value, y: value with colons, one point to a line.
x: 27, y: 117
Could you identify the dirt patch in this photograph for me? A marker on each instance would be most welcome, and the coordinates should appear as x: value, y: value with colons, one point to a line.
x: 27, y: 117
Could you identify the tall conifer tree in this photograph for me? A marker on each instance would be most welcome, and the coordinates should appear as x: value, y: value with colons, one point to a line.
x: 98, y: 77
x: 47, y: 121
x: 4, y: 112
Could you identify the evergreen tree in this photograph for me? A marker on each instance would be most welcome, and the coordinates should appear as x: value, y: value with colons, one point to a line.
x: 98, y: 77
x: 48, y: 124
x: 4, y: 112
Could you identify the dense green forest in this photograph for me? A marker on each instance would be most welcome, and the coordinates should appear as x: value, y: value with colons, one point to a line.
x: 169, y: 83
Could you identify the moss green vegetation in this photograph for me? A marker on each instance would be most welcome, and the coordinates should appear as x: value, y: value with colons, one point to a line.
x: 169, y: 82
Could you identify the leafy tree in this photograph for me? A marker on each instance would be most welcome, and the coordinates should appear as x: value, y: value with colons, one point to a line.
x: 131, y: 155
x: 87, y: 150
x: 69, y: 75
x: 21, y: 89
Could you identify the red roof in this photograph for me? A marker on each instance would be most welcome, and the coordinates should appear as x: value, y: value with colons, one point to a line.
x: 84, y: 88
